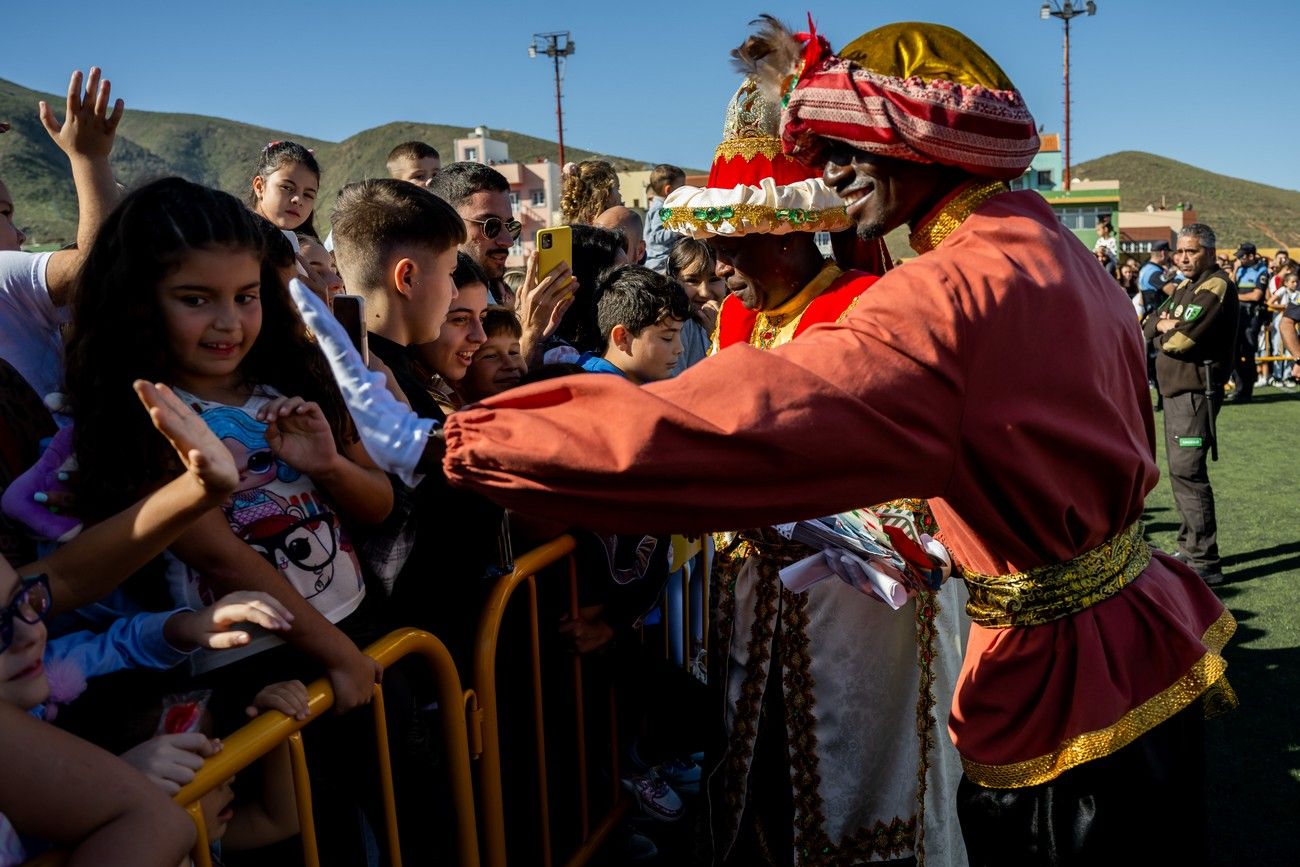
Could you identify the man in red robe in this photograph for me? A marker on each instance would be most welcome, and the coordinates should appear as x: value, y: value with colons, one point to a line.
x: 1079, y: 712
x: 830, y: 751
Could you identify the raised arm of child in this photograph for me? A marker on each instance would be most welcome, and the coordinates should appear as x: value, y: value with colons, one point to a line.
x: 91, y: 565
x: 86, y: 135
x: 273, y: 816
x: 117, y: 817
x: 300, y: 435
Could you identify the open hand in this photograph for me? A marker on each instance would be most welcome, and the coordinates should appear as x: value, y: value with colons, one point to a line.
x: 289, y: 697
x: 212, y: 626
x: 543, y: 300
x: 205, y: 457
x: 170, y: 761
x: 88, y: 128
x: 298, y: 433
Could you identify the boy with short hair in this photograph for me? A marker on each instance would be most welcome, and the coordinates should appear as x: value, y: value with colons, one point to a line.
x: 640, y: 315
x: 395, y: 243
x: 664, y: 178
x: 499, y: 363
x: 414, y: 162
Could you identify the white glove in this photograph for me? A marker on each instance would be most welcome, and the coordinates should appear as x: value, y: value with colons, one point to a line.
x: 393, y: 435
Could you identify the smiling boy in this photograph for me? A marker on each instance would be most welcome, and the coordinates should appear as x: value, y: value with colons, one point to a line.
x: 640, y: 314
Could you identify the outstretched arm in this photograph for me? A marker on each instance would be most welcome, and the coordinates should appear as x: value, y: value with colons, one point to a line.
x: 86, y: 135
x: 862, y: 412
x: 91, y: 565
x: 117, y: 816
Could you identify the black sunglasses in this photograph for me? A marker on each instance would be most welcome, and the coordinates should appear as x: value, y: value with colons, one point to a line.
x: 30, y: 606
x: 492, y: 227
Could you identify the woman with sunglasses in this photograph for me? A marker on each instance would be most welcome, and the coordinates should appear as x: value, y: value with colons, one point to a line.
x: 117, y: 817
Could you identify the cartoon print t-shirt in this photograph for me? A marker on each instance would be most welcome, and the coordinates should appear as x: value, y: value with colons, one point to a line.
x: 279, y: 512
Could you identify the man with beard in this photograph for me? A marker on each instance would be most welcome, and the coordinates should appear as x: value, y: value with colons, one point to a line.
x: 788, y: 663
x: 481, y: 195
x: 1092, y: 659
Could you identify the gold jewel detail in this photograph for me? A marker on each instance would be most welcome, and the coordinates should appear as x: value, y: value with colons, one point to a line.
x: 748, y: 148
x: 769, y: 324
x: 805, y: 220
x: 1207, y: 672
x: 933, y: 231
x: 1050, y: 592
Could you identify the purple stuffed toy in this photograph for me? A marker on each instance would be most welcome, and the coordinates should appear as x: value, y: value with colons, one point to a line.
x: 24, y: 499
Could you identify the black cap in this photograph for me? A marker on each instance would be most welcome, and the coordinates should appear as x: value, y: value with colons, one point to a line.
x: 1160, y: 245
x: 1244, y: 249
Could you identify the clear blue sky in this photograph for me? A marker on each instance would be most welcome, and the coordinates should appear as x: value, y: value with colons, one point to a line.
x: 650, y: 80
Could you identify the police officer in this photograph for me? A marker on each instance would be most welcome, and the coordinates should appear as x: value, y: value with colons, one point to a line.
x: 1252, y: 283
x: 1195, y: 325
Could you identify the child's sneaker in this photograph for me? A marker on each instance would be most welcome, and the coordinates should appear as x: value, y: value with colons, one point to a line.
x: 682, y: 774
x: 654, y: 796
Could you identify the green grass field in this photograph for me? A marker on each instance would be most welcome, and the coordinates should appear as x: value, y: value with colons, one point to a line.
x: 1254, y: 753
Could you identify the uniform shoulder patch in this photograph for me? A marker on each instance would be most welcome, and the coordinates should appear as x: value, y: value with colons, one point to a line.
x: 1192, y: 311
x: 1216, y: 286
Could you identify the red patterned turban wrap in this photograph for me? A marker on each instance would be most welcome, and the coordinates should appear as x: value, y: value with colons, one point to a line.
x: 919, y: 92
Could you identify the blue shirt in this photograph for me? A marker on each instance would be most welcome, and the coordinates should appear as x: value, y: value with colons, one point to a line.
x: 593, y: 363
x: 1252, y: 276
x: 658, y: 240
x: 129, y: 642
x: 1151, y: 277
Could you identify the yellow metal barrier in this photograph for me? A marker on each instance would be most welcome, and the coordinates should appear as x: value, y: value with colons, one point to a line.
x: 492, y: 805
x: 273, y: 728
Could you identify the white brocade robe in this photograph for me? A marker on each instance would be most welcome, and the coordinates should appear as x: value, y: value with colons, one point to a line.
x: 858, y: 723
x: 867, y: 694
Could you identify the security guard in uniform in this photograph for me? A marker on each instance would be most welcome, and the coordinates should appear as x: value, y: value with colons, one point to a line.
x: 1196, y: 324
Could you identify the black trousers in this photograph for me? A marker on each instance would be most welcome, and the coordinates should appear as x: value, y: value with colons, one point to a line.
x: 1187, y: 448
x: 1248, y: 341
x: 1144, y: 804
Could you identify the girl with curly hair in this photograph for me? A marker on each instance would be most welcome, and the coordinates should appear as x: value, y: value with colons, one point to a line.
x: 589, y: 188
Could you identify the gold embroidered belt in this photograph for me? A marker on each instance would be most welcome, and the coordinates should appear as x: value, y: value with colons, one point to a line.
x: 1046, y: 593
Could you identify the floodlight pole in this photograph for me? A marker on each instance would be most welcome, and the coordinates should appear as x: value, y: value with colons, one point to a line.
x: 555, y: 46
x: 1065, y: 11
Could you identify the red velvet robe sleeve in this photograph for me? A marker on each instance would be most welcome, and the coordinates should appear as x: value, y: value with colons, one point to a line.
x: 853, y: 413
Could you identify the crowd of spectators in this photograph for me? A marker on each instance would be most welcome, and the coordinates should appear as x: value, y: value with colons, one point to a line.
x: 1268, y: 290
x: 157, y: 590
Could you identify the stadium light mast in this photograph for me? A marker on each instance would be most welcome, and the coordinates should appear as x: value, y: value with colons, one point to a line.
x: 556, y: 46
x: 1066, y: 11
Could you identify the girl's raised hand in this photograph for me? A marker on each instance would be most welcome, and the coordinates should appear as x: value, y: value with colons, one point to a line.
x: 299, y: 434
x: 212, y: 627
x: 204, y: 456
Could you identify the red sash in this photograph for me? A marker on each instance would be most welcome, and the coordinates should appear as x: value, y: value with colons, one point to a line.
x: 736, y: 324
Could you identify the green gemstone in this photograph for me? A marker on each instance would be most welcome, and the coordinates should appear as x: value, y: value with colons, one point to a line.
x: 782, y: 214
x: 665, y: 213
x: 726, y: 213
x: 711, y: 215
x: 797, y: 215
x: 700, y: 213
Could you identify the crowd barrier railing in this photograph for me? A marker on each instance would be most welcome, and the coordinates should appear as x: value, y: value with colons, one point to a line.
x: 272, y: 728
x: 492, y: 802
x: 470, y: 723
